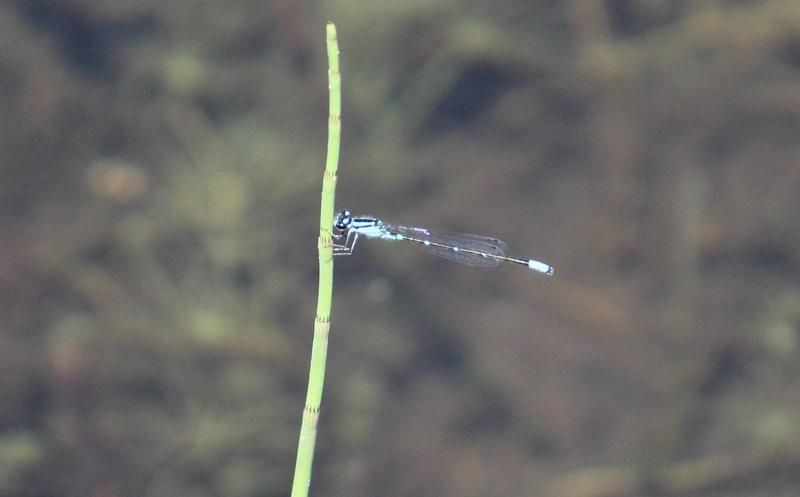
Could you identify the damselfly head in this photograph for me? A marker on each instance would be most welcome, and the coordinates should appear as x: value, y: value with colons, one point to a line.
x: 343, y: 220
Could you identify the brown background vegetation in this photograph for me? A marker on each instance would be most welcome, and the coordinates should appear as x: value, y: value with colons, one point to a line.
x: 161, y: 168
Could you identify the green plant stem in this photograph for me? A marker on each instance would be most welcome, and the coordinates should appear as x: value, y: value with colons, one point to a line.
x: 322, y: 323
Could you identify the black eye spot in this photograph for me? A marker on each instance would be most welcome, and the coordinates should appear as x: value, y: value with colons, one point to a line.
x: 343, y: 220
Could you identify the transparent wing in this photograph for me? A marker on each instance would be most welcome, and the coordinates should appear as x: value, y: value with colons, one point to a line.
x: 447, y: 242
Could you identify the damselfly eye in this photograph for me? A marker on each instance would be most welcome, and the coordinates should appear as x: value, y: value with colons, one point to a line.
x: 343, y: 219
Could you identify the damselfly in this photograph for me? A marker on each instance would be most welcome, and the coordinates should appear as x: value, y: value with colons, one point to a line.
x: 473, y: 250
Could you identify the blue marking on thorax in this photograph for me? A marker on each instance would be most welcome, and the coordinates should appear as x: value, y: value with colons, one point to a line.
x: 371, y: 228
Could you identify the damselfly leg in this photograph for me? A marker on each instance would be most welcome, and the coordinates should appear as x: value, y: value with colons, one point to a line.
x: 346, y: 248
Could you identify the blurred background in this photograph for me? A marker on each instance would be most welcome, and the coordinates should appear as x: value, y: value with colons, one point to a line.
x: 161, y: 171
